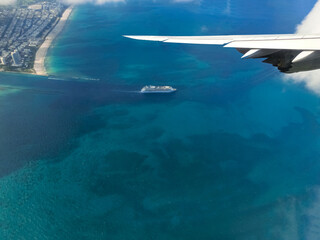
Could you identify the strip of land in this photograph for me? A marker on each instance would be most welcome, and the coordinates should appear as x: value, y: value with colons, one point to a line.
x: 39, y: 63
x: 23, y: 28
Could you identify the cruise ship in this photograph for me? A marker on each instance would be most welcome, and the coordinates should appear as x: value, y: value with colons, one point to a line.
x: 157, y: 89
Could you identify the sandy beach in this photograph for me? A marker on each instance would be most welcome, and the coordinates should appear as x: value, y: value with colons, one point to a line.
x: 39, y: 63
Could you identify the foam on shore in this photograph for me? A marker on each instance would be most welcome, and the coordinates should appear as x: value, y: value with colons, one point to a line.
x: 39, y: 63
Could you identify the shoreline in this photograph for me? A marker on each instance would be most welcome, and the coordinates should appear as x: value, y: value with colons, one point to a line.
x: 39, y: 62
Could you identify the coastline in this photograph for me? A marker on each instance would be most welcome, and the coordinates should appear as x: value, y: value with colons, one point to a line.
x: 39, y: 62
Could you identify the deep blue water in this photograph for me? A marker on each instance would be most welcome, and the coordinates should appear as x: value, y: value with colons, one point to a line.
x: 233, y: 154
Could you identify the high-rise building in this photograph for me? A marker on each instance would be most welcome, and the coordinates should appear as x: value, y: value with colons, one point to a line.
x: 4, y: 58
x: 16, y: 58
x: 35, y: 7
x: 3, y: 61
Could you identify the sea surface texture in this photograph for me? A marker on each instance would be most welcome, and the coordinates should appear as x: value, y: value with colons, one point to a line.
x: 234, y: 154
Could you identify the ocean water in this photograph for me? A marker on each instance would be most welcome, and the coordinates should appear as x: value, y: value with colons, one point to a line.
x: 233, y: 154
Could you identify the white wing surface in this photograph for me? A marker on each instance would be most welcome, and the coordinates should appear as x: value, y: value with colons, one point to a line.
x: 289, y: 52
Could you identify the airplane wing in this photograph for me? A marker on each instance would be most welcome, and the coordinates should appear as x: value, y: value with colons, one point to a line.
x: 289, y: 52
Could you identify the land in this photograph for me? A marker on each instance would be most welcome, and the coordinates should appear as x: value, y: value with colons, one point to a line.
x: 39, y: 62
x: 26, y: 31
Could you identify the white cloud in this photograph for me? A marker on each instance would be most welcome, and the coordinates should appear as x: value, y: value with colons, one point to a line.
x: 7, y: 2
x: 310, y: 25
x: 98, y: 2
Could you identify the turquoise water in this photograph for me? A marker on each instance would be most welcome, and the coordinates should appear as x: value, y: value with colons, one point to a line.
x: 233, y: 154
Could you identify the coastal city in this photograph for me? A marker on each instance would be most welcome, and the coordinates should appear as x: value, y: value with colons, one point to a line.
x: 23, y: 28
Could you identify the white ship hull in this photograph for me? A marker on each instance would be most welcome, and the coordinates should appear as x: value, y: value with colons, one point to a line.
x: 146, y: 91
x: 157, y: 89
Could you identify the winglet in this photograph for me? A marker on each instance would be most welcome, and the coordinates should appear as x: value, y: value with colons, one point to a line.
x: 147, y: 38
